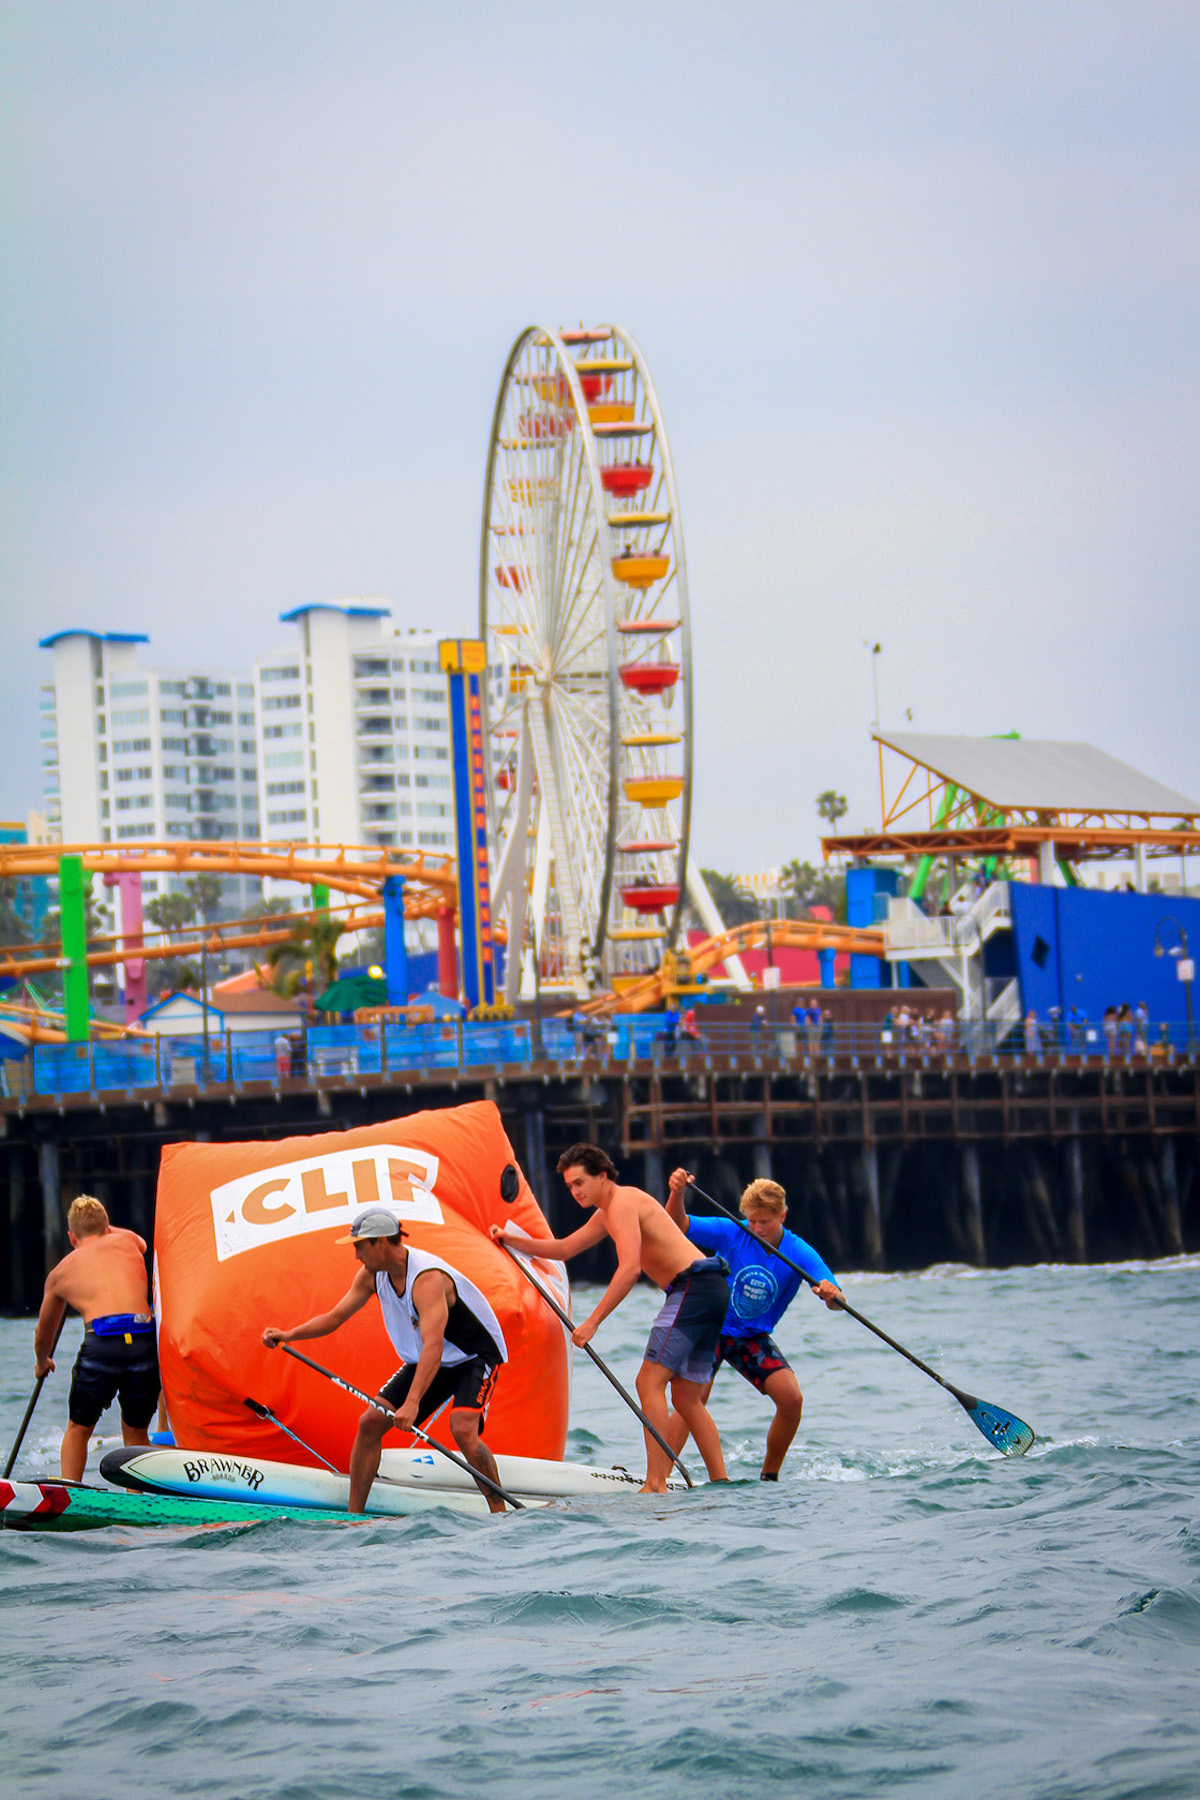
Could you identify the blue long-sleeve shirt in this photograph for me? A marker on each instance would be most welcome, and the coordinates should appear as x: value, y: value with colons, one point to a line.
x: 761, y: 1288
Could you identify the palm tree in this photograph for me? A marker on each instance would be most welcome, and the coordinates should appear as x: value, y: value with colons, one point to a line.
x: 205, y: 892
x: 13, y: 928
x: 831, y: 805
x: 171, y: 912
x: 95, y: 927
x: 309, y: 953
x: 734, y: 904
x: 807, y: 887
x: 173, y: 975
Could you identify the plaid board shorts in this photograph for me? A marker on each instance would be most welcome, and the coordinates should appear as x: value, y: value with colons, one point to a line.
x: 685, y: 1334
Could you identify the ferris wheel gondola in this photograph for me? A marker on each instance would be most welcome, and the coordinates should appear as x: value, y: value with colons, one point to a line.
x: 583, y: 606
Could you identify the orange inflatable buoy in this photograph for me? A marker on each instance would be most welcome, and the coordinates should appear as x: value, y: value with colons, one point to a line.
x: 244, y: 1238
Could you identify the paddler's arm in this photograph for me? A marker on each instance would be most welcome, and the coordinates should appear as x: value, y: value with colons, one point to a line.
x: 677, y: 1187
x: 817, y: 1272
x: 433, y: 1313
x: 625, y: 1231
x: 555, y: 1249
x: 53, y: 1308
x: 352, y: 1301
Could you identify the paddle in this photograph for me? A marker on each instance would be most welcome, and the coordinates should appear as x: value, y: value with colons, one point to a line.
x: 271, y: 1418
x: 484, y: 1480
x: 1008, y: 1433
x: 264, y: 1412
x: 603, y: 1367
x: 33, y: 1400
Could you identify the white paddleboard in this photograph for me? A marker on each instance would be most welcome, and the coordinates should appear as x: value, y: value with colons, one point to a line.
x: 409, y: 1480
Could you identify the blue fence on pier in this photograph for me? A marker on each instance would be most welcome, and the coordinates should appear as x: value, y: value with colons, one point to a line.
x: 343, y: 1053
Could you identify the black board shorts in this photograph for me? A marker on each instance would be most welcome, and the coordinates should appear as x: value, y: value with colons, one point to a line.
x: 110, y: 1366
x: 468, y: 1384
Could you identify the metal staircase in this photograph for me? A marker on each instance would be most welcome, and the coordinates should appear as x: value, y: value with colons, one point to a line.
x: 948, y: 951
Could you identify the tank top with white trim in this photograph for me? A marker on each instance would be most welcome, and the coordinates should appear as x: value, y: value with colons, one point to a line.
x: 472, y: 1329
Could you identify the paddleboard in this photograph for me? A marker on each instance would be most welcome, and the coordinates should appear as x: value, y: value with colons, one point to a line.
x: 408, y: 1481
x: 69, y: 1506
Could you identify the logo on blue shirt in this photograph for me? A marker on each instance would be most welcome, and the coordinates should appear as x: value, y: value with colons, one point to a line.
x: 753, y: 1291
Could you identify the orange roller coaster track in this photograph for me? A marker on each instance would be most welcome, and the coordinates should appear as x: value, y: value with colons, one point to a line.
x: 189, y: 940
x: 780, y: 934
x: 430, y: 888
x: 431, y: 882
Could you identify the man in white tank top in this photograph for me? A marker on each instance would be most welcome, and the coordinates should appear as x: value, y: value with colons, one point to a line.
x: 442, y: 1326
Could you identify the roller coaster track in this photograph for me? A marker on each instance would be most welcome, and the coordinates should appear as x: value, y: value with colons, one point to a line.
x: 235, y: 934
x: 359, y: 871
x: 778, y: 934
x: 431, y: 883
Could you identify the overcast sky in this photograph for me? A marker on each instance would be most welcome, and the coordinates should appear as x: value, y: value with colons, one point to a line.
x: 917, y: 285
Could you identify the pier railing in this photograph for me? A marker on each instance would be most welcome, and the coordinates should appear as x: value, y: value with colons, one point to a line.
x: 335, y: 1055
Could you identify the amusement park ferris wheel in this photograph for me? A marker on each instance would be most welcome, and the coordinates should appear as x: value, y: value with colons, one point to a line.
x: 583, y: 606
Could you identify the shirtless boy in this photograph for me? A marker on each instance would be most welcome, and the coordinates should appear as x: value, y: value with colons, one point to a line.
x: 104, y: 1278
x: 682, y: 1347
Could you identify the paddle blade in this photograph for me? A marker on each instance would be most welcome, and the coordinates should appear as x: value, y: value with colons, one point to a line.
x: 1009, y: 1434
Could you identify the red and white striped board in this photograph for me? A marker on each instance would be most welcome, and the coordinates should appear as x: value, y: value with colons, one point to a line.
x: 32, y: 1500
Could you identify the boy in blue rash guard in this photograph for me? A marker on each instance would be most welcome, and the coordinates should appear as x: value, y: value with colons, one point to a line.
x: 761, y: 1288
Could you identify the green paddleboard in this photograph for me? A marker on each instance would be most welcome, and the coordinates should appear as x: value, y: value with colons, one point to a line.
x: 67, y: 1506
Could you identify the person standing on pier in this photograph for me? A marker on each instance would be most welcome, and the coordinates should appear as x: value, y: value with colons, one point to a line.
x: 104, y: 1278
x: 761, y: 1289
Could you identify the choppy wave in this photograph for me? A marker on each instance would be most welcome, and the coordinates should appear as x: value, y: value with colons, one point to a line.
x: 905, y: 1611
x: 971, y: 1272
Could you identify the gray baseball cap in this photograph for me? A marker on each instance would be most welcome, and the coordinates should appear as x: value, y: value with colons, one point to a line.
x: 371, y: 1222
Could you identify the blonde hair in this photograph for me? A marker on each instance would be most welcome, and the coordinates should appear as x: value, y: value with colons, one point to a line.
x: 87, y: 1217
x: 764, y: 1196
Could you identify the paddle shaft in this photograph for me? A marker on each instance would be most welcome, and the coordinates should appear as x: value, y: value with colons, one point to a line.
x: 967, y: 1400
x: 603, y: 1367
x: 264, y: 1412
x: 33, y: 1400
x: 461, y: 1461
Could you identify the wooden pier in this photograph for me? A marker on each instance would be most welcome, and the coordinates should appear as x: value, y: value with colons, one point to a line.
x: 893, y: 1161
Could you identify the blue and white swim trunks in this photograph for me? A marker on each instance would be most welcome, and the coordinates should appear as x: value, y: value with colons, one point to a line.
x: 685, y: 1334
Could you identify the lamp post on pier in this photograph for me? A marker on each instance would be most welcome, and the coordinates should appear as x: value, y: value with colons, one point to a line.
x: 1185, y: 968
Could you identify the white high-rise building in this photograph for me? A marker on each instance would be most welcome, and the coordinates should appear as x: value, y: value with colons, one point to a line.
x: 342, y: 739
x: 354, y: 733
x: 138, y: 754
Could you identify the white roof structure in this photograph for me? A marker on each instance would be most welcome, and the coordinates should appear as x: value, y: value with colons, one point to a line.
x: 1038, y: 775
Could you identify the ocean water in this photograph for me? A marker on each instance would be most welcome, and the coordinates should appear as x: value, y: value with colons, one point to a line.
x: 905, y: 1613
